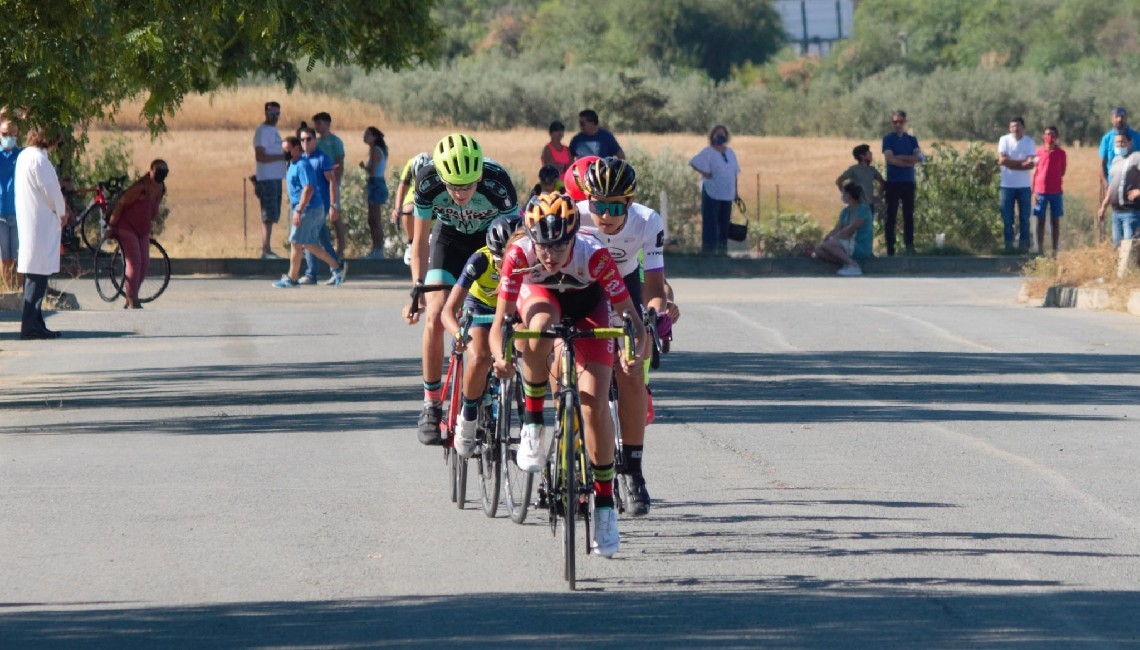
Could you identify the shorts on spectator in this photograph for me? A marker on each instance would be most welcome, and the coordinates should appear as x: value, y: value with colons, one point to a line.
x: 9, y: 238
x: 848, y: 246
x: 309, y: 232
x: 1054, y: 203
x: 378, y: 191
x: 269, y: 195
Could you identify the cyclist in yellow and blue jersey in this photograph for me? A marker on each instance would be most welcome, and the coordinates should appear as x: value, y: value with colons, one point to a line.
x: 477, y: 290
x: 404, y: 211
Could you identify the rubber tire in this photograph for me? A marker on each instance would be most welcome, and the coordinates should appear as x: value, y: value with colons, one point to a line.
x: 568, y: 475
x: 461, y: 480
x: 519, y: 484
x: 89, y: 229
x: 452, y: 460
x: 157, y: 275
x: 490, y: 475
x: 108, y: 282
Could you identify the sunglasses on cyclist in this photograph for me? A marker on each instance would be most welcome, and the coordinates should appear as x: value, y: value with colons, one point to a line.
x: 561, y: 247
x: 461, y: 188
x: 614, y: 209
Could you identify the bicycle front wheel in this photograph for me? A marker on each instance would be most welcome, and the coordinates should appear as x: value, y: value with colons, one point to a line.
x: 157, y: 274
x: 568, y: 477
x: 89, y: 224
x: 518, y: 483
x: 490, y: 476
x: 109, y: 271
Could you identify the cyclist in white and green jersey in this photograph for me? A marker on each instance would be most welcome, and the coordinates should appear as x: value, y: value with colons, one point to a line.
x: 464, y: 193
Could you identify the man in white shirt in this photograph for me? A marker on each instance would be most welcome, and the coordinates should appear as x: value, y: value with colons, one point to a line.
x: 1016, y: 158
x: 270, y: 173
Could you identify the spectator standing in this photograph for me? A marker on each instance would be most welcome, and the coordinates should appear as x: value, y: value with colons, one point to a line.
x: 308, y: 213
x: 902, y: 154
x: 850, y: 241
x: 1015, y: 160
x: 268, y: 176
x: 592, y: 140
x: 718, y: 168
x: 1108, y: 142
x: 1123, y: 192
x: 9, y: 233
x: 377, y: 188
x: 328, y: 190
x: 1048, y: 193
x: 554, y: 152
x: 863, y: 174
x: 333, y: 147
x: 40, y: 214
x: 130, y: 223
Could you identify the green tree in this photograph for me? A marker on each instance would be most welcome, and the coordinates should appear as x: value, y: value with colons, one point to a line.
x: 71, y: 61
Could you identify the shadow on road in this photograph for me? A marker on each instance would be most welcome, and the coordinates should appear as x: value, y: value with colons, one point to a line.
x: 775, y: 611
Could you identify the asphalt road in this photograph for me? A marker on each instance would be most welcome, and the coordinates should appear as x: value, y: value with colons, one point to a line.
x: 872, y: 462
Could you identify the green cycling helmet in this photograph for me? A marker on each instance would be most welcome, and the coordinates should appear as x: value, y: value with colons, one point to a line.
x: 458, y: 159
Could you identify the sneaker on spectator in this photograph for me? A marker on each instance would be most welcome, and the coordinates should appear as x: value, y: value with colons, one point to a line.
x: 307, y: 279
x: 408, y: 256
x: 270, y: 256
x: 286, y: 282
x: 850, y: 271
x: 375, y: 254
x: 337, y: 277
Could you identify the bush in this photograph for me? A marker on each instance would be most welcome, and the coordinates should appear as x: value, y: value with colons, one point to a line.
x: 786, y: 235
x: 113, y: 160
x: 958, y: 196
x: 669, y: 172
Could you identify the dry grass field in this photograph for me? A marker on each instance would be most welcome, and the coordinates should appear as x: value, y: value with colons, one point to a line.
x: 209, y: 149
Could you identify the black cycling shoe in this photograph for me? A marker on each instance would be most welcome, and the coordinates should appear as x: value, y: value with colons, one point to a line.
x: 429, y: 424
x: 638, y: 497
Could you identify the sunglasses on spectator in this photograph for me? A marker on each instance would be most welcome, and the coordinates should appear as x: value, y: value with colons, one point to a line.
x: 614, y: 209
x: 555, y: 248
x: 898, y: 121
x: 461, y: 188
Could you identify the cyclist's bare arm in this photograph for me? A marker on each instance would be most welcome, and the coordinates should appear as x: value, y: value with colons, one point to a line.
x: 653, y: 291
x: 452, y: 307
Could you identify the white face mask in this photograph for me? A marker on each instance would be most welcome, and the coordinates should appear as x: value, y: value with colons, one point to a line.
x: 8, y: 142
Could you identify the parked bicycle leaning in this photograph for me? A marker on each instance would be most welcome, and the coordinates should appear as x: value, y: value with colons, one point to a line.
x: 130, y: 223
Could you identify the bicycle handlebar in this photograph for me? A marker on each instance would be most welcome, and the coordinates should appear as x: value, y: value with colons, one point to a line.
x: 418, y: 290
x: 568, y: 333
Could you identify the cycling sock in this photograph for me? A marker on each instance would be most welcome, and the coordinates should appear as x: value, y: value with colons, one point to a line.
x: 433, y: 391
x: 604, y: 486
x: 471, y: 408
x: 535, y: 396
x: 633, y: 459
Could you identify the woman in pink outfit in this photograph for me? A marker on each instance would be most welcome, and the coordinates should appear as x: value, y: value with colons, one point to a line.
x: 130, y: 223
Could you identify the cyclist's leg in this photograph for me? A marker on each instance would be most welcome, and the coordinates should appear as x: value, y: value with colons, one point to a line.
x: 593, y: 389
x: 478, y: 362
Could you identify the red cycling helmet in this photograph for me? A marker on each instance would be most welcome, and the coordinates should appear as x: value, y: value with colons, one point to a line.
x: 574, y: 175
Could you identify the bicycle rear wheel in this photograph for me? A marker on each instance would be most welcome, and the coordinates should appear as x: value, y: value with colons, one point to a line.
x: 157, y: 274
x: 90, y: 225
x: 518, y: 483
x: 109, y: 269
x: 490, y: 476
x: 568, y: 478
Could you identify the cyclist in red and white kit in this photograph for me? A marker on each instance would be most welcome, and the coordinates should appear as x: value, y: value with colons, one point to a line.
x: 549, y: 272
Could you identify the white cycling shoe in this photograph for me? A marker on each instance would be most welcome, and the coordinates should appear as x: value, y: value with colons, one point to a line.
x: 606, y: 538
x: 529, y: 456
x: 465, y: 437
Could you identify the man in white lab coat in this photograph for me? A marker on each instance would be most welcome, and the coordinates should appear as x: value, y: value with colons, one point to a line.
x: 40, y: 214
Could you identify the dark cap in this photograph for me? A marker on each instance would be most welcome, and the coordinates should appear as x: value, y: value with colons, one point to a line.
x: 1119, y: 111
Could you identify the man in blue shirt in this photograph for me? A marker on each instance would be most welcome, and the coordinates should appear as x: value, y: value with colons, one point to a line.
x: 592, y: 140
x: 329, y: 188
x: 1107, y: 143
x: 9, y: 239
x: 902, y: 153
x: 307, y: 215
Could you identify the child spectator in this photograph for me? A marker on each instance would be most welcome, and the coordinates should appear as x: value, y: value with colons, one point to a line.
x: 549, y: 180
x: 851, y: 238
x: 863, y: 175
x: 1047, y: 192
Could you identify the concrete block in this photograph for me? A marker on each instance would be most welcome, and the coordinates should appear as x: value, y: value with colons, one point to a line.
x: 11, y: 300
x: 1092, y: 299
x: 61, y: 301
x: 1134, y: 303
x: 1024, y: 298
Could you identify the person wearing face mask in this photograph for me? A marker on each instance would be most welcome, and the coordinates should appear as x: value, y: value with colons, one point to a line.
x: 9, y: 234
x: 1108, y: 142
x: 1123, y: 192
x: 130, y: 223
x: 718, y: 168
x: 1047, y: 191
x: 40, y: 214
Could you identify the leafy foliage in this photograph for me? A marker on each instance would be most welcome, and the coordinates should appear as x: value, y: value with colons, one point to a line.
x: 72, y: 61
x: 786, y: 235
x: 669, y: 172
x: 112, y: 161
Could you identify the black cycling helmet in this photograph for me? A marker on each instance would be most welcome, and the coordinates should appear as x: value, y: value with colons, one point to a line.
x: 500, y: 231
x: 548, y: 174
x: 551, y: 218
x: 610, y: 178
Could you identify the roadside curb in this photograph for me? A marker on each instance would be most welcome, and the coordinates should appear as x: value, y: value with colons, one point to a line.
x: 678, y: 266
x: 1066, y: 297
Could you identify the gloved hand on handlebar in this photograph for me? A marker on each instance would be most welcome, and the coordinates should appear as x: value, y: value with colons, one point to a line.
x: 664, y: 327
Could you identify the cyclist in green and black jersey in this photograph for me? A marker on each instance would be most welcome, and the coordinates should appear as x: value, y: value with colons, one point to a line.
x: 464, y: 193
